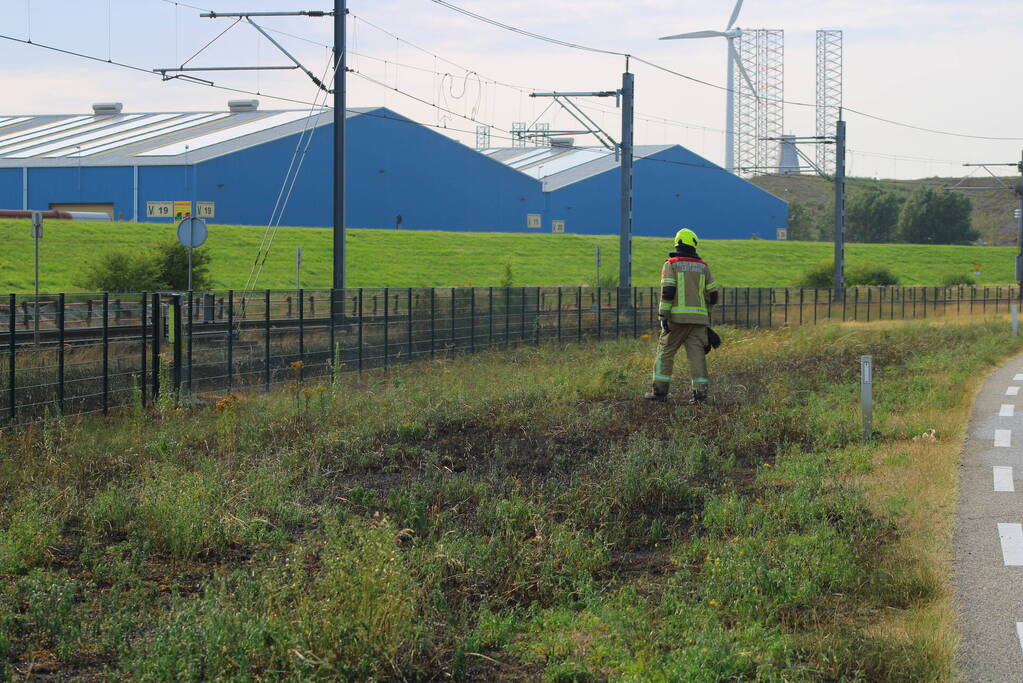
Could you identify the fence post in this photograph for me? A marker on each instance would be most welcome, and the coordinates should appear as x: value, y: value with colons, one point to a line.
x: 144, y: 375
x: 786, y: 309
x: 410, y: 324
x: 868, y: 303
x: 579, y: 313
x: 387, y: 341
x: 490, y: 317
x: 301, y: 334
x: 361, y: 333
x: 266, y: 342
x: 175, y: 326
x: 333, y: 356
x: 522, y: 313
x: 188, y: 359
x: 157, y: 334
x: 655, y: 300
x: 801, y: 292
x: 454, y: 315
x: 618, y: 311
x: 12, y: 351
x: 60, y: 352
x: 433, y: 320
x: 559, y: 314
x: 472, y: 320
x: 600, y: 322
x: 106, y: 352
x: 537, y: 319
x: 230, y: 338
x: 925, y: 303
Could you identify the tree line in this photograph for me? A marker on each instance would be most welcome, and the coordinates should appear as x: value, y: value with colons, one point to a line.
x: 876, y: 214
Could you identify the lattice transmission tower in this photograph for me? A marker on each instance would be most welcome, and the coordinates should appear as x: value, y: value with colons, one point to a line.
x: 829, y: 93
x: 759, y: 109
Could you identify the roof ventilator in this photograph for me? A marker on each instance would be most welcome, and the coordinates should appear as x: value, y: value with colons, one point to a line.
x: 243, y: 105
x: 562, y: 142
x: 107, y: 108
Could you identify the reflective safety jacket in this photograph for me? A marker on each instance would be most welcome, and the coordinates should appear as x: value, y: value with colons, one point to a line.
x: 686, y: 283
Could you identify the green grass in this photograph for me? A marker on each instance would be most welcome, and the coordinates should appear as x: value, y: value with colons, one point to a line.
x: 515, y: 515
x: 383, y: 258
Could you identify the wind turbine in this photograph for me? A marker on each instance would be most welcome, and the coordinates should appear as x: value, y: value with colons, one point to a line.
x: 729, y: 34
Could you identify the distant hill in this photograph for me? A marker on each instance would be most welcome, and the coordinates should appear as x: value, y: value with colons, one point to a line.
x: 992, y: 209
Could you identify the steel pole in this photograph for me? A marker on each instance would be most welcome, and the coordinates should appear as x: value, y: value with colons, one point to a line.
x: 840, y: 211
x: 340, y: 74
x: 625, y: 236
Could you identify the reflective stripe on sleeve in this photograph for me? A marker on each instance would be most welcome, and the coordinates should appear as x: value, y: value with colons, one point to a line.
x: 661, y: 378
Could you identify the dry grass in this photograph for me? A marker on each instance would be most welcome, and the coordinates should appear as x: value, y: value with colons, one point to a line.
x: 917, y: 482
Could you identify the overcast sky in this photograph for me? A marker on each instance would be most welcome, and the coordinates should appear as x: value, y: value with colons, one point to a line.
x: 946, y: 65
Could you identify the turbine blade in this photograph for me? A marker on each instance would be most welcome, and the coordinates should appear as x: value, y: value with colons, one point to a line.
x: 735, y: 13
x: 695, y: 34
x: 742, y: 70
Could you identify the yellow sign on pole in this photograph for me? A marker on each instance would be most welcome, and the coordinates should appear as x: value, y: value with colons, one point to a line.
x: 182, y: 210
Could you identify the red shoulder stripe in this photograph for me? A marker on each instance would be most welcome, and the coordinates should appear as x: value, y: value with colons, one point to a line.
x: 675, y: 259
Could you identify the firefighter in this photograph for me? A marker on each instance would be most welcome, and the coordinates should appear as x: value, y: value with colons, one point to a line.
x: 688, y: 291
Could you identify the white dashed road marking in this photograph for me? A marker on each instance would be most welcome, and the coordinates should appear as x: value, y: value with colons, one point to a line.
x: 1012, y: 391
x: 1019, y: 632
x: 1003, y: 438
x: 1011, y: 536
x: 1017, y: 378
x: 1003, y: 479
x: 1008, y: 410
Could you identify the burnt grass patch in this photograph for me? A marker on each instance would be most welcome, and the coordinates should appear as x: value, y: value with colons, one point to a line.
x: 545, y: 523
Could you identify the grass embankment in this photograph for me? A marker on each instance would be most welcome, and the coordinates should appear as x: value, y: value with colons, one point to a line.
x: 388, y: 258
x: 515, y: 515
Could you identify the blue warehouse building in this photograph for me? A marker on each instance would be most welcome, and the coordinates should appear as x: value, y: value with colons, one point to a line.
x: 117, y: 162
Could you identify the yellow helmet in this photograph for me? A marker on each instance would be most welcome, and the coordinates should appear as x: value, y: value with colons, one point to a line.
x: 687, y: 237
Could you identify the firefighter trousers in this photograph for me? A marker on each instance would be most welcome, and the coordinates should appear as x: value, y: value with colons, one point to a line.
x: 695, y: 339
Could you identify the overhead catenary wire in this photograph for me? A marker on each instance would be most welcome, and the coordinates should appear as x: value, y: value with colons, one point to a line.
x: 726, y: 88
x: 288, y: 184
x: 521, y: 89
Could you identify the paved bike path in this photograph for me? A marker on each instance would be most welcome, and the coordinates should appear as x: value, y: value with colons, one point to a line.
x: 988, y: 537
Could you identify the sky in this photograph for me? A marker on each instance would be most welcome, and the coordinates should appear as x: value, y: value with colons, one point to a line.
x: 936, y: 64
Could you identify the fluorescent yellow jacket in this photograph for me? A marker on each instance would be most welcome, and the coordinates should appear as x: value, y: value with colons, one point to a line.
x: 688, y: 281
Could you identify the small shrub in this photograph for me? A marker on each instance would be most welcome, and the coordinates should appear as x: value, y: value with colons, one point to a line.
x: 163, y: 266
x: 822, y: 276
x: 870, y: 275
x: 956, y: 279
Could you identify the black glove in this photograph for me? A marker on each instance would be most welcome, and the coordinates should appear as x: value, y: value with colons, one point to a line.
x: 713, y: 340
x: 664, y: 327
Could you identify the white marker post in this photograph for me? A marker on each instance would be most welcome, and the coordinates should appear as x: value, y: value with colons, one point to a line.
x: 867, y: 395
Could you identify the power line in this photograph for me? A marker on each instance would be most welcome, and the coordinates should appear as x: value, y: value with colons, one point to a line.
x: 149, y: 72
x: 530, y: 34
x: 660, y: 67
